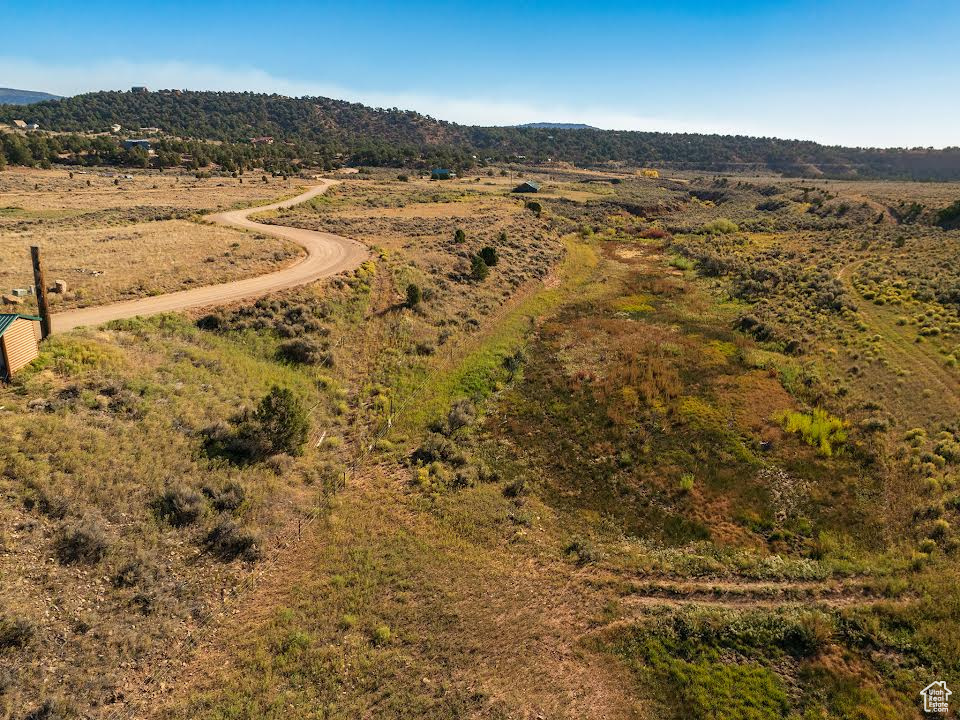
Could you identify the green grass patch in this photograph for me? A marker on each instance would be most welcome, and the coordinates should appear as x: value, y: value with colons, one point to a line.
x: 818, y: 429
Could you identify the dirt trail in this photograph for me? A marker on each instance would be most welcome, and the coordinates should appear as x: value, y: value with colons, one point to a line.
x: 326, y: 254
x: 746, y: 594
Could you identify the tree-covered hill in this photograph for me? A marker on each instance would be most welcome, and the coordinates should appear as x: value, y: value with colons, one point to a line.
x: 326, y: 128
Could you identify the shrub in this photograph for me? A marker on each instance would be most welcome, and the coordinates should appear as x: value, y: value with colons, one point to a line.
x: 83, y: 541
x: 949, y: 216
x: 381, y: 635
x: 306, y: 351
x: 459, y: 236
x: 512, y: 363
x: 584, y: 550
x: 462, y: 413
x: 180, y: 506
x: 654, y: 233
x: 516, y: 488
x: 535, y: 207
x: 686, y: 482
x: 489, y: 256
x: 229, y: 498
x: 282, y: 420
x: 15, y: 632
x: 403, y: 178
x: 229, y: 540
x: 721, y: 226
x: 414, y: 295
x: 478, y: 268
x: 434, y: 447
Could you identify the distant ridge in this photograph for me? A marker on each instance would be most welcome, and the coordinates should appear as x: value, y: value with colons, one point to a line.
x: 11, y: 96
x: 558, y: 126
x: 334, y: 132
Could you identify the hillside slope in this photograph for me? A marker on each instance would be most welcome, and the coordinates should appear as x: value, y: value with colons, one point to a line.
x: 391, y: 136
x: 12, y: 96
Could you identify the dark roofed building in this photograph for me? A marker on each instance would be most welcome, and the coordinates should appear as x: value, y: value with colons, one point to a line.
x: 131, y: 144
x: 527, y: 187
x: 442, y: 174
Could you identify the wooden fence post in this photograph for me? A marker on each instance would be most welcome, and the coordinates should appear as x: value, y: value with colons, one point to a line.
x: 41, y: 288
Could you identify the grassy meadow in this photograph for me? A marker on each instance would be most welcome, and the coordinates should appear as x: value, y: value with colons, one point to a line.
x: 112, y: 238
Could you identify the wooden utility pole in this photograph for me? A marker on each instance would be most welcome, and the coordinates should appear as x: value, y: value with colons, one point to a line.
x: 41, y: 289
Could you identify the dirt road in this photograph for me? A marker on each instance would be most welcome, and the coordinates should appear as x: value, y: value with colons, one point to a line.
x: 327, y: 254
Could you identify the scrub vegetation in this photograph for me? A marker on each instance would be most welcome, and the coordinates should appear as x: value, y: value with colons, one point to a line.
x: 685, y: 447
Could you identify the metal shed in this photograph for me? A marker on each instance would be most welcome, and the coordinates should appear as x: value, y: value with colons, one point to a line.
x: 19, y: 342
x: 527, y: 187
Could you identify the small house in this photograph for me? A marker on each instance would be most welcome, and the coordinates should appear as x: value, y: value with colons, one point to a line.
x: 264, y: 140
x: 132, y: 144
x: 139, y: 89
x: 527, y: 187
x: 19, y: 342
x: 442, y: 174
x: 20, y: 124
x: 115, y: 128
x: 31, y: 126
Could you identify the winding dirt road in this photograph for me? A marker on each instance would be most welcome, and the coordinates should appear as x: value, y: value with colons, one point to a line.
x: 327, y: 254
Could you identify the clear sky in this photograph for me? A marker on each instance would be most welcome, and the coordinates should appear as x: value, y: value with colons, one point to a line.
x: 858, y: 73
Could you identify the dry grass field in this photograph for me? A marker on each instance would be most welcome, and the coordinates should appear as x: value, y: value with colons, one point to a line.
x: 141, y: 237
x: 661, y: 448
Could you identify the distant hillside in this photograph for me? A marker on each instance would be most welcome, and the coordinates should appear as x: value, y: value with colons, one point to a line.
x: 10, y: 96
x: 339, y: 131
x: 558, y: 126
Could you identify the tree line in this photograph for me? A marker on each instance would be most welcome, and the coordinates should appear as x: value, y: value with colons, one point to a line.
x: 318, y: 132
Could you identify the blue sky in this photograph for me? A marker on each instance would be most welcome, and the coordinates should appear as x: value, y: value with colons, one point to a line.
x: 856, y: 73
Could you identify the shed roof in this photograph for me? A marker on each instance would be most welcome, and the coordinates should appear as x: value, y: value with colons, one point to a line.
x: 6, y: 320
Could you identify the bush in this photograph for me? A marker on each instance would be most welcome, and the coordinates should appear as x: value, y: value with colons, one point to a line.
x: 229, y: 498
x: 654, y: 233
x: 721, y: 226
x: 686, y: 482
x: 489, y: 256
x: 584, y: 550
x: 414, y: 295
x: 949, y: 216
x: 83, y: 541
x: 15, y: 632
x: 459, y: 236
x: 434, y: 447
x: 282, y: 422
x: 180, y: 506
x: 512, y: 363
x: 516, y: 488
x: 478, y: 268
x: 134, y: 571
x: 535, y: 207
x: 229, y: 540
x: 462, y: 413
x: 381, y: 635
x: 306, y: 351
